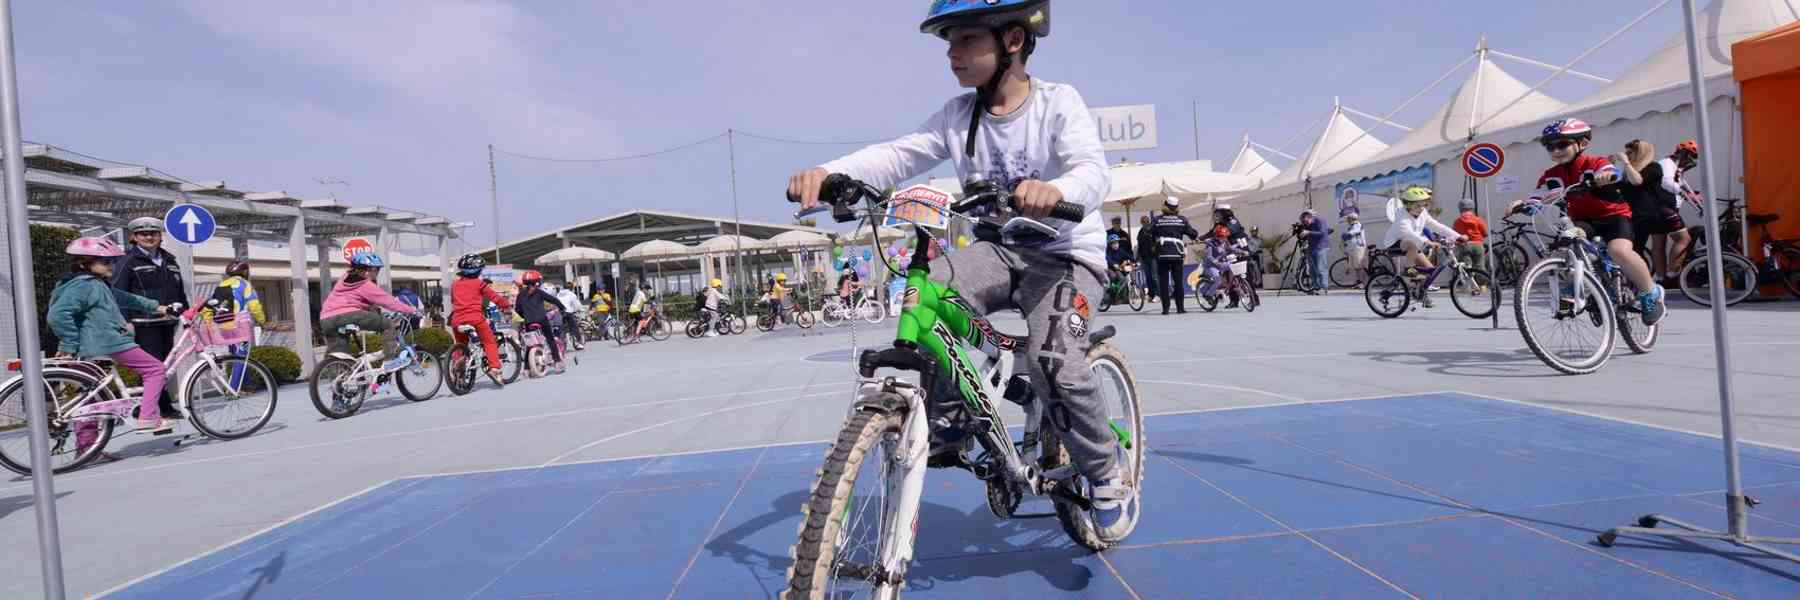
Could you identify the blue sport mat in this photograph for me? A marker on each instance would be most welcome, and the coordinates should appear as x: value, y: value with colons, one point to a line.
x: 1439, y: 495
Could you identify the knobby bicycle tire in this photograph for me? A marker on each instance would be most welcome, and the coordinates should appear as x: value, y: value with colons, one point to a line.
x: 1592, y: 285
x: 822, y: 516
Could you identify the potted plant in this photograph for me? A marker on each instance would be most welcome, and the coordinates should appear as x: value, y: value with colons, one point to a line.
x: 1270, y: 249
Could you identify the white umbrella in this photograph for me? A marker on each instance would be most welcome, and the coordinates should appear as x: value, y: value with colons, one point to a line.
x: 797, y: 240
x: 576, y: 254
x: 729, y: 243
x: 1147, y: 184
x: 657, y: 250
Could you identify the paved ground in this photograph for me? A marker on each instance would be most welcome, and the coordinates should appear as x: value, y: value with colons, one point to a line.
x: 166, y: 505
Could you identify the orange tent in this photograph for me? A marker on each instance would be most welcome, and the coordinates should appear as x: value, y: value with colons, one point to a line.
x: 1767, y: 68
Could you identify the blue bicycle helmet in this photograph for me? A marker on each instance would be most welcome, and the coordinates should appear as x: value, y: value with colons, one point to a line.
x: 365, y: 260
x: 992, y: 14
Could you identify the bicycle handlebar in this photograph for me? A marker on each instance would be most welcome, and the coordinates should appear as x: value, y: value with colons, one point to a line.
x: 840, y: 192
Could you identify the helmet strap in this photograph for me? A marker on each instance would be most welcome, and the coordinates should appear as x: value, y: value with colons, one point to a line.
x: 985, y: 93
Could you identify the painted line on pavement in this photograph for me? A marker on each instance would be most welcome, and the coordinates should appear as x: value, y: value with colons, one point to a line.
x: 1225, y: 387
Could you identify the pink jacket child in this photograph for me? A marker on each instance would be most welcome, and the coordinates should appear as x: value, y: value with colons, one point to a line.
x: 358, y: 300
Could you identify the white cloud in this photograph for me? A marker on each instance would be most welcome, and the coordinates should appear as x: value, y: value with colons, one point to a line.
x: 461, y: 58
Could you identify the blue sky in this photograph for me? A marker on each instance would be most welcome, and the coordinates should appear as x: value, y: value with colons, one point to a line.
x: 400, y: 98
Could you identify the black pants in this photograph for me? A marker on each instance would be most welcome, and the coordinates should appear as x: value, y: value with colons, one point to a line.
x: 549, y: 338
x: 1169, y: 271
x: 158, y: 341
x: 1151, y: 277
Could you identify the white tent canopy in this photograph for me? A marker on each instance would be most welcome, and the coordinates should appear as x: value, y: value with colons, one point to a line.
x: 1658, y: 84
x: 573, y: 255
x: 1487, y: 89
x: 797, y: 240
x: 1252, y: 163
x: 656, y: 249
x: 731, y: 243
x: 1191, y: 181
x: 1340, y: 146
x: 861, y: 237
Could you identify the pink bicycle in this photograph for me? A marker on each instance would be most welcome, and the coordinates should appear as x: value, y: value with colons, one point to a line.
x: 225, y: 396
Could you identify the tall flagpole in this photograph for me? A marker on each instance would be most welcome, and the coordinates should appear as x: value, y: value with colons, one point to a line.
x: 25, y: 317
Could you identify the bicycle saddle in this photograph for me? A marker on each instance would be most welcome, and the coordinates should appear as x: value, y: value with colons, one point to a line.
x: 1758, y: 219
x: 349, y: 329
x: 1105, y: 333
x: 465, y: 329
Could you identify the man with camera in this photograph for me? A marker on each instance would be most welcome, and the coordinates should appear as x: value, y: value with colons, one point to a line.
x: 1314, y: 240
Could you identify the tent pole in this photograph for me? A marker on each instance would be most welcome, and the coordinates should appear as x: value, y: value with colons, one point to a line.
x: 1736, y: 503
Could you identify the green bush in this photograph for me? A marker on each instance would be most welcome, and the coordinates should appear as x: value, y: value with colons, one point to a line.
x: 48, y: 265
x: 132, y: 379
x: 280, y: 360
x: 435, y: 340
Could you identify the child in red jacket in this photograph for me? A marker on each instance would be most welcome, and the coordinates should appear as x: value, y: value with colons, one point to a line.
x: 467, y: 298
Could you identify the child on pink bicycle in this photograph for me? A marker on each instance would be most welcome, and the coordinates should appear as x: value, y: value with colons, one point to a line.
x: 85, y: 316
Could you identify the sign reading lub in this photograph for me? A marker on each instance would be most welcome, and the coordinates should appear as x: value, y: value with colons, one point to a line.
x: 1126, y: 127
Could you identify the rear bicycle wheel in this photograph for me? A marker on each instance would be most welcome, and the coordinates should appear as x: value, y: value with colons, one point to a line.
x: 537, y: 361
x: 1509, y: 263
x: 1342, y: 273
x: 1387, y: 295
x: 1117, y: 390
x: 421, y: 380
x: 232, y: 402
x: 1471, y: 290
x: 1739, y: 275
x: 765, y: 322
x: 844, y: 522
x: 1251, y: 300
x: 1572, y: 335
x: 695, y: 328
x: 333, y: 393
x: 66, y: 451
x: 461, y: 376
x: 804, y: 318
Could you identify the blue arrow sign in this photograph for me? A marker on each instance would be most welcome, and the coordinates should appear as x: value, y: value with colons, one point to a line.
x: 189, y: 223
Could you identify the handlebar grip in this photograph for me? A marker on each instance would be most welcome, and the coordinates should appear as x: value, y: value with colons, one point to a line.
x: 1068, y: 211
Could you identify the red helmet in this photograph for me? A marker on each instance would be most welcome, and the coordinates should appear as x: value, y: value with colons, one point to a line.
x: 240, y: 267
x: 99, y: 247
x: 1566, y: 129
x: 531, y: 278
x: 1689, y: 147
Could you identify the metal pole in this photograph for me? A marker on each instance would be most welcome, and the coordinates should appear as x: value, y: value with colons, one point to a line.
x: 25, y: 319
x: 302, y: 298
x: 1734, y: 494
x: 1196, y: 130
x: 737, y: 220
x: 494, y: 200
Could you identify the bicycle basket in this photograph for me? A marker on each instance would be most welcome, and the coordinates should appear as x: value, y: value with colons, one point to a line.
x: 1240, y: 267
x: 225, y: 329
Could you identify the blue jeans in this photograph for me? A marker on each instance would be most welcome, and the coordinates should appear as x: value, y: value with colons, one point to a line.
x: 1320, y: 280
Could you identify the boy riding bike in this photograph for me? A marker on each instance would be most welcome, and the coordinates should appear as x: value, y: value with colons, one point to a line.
x: 1410, y: 230
x: 1602, y: 211
x: 1038, y: 139
x: 468, y: 298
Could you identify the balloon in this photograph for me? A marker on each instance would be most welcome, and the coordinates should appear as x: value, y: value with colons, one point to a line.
x: 962, y: 241
x: 837, y: 251
x: 868, y: 254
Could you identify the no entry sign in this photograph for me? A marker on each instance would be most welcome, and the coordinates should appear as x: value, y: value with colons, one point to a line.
x: 1483, y: 160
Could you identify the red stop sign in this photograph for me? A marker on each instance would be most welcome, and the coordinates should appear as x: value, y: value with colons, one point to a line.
x: 356, y: 245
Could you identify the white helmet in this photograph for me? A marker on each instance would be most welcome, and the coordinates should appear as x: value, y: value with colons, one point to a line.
x: 1172, y: 202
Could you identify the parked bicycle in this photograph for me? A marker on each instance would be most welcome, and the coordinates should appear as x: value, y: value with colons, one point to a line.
x: 225, y: 397
x: 342, y: 382
x: 1472, y: 290
x: 1740, y: 274
x: 1570, y: 303
x: 836, y: 310
x: 859, y: 524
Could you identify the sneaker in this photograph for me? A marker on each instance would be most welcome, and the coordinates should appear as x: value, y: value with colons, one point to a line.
x: 712, y: 334
x: 560, y: 368
x: 1116, y: 509
x: 157, y: 427
x: 1652, y: 304
x: 494, y: 375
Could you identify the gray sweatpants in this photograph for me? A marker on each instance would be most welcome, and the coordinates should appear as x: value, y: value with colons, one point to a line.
x: 1053, y: 292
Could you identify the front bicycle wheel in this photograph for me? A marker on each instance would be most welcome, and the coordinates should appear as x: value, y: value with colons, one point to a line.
x: 333, y: 392
x: 1471, y: 290
x: 804, y: 318
x: 1342, y: 273
x: 1388, y: 295
x: 872, y: 312
x: 537, y: 361
x: 843, y: 527
x: 70, y: 449
x: 1789, y: 260
x: 512, y: 360
x: 1572, y: 335
x: 1639, y: 337
x: 1134, y: 296
x: 1740, y: 279
x: 420, y: 380
x: 659, y: 329
x: 739, y: 324
x: 1251, y: 300
x: 232, y: 401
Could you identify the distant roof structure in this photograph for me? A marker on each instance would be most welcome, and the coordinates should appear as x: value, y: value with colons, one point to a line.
x: 1720, y: 24
x: 1341, y: 145
x: 619, y: 232
x: 1252, y: 163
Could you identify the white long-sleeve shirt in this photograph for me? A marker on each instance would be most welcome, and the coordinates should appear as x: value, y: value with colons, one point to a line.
x: 1412, y: 229
x: 1051, y: 138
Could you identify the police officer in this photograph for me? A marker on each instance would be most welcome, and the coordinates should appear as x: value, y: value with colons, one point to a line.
x: 1146, y: 251
x: 1172, y: 234
x: 148, y: 270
